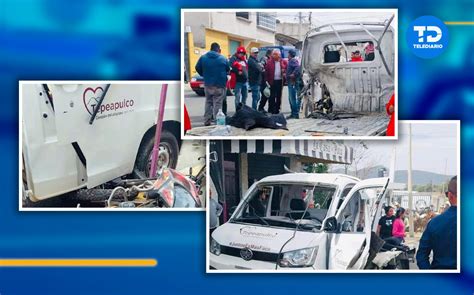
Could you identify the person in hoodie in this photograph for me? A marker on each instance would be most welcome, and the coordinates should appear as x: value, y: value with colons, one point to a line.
x: 239, y: 75
x: 292, y: 76
x: 214, y: 68
x: 263, y: 98
x: 255, y: 76
x: 274, y: 75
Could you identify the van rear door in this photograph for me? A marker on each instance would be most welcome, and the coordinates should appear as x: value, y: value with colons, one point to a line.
x: 350, y: 244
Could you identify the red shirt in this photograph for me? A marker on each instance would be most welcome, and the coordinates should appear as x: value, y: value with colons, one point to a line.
x: 391, y: 123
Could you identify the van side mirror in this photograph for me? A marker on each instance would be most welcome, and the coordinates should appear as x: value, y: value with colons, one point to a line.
x: 330, y: 225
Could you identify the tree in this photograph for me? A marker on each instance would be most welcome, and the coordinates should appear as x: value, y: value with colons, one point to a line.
x: 316, y: 168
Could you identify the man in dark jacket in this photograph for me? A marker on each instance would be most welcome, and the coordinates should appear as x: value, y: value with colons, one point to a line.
x: 255, y: 76
x: 292, y: 76
x: 214, y: 68
x: 263, y: 98
x: 238, y: 63
x: 440, y: 236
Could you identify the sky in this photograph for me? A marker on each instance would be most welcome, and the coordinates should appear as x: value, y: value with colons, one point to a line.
x: 433, y: 145
x: 320, y: 17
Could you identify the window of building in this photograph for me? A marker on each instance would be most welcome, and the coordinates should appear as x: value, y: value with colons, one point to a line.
x: 266, y: 20
x: 241, y: 14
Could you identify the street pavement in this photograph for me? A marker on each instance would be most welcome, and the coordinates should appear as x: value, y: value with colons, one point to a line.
x: 195, y: 105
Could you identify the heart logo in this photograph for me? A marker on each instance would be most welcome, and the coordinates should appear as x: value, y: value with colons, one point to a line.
x: 91, y: 98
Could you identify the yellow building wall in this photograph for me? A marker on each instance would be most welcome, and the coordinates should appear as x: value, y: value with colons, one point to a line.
x: 211, y: 37
x: 194, y: 54
x: 219, y: 37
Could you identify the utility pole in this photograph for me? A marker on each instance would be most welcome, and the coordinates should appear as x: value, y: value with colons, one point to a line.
x: 310, y: 20
x: 410, y: 192
x: 300, y: 23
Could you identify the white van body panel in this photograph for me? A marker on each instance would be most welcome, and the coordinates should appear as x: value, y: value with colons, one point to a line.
x: 273, y: 239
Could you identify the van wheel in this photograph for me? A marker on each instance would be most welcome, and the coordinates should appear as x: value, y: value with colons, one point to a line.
x: 167, y: 156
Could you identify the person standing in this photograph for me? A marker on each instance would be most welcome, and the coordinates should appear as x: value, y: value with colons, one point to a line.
x: 390, y: 108
x: 292, y: 76
x: 385, y: 226
x: 263, y: 85
x: 369, y: 51
x: 214, y: 68
x: 274, y: 75
x: 215, y: 210
x: 398, y: 230
x: 238, y: 63
x: 255, y: 76
x: 440, y: 236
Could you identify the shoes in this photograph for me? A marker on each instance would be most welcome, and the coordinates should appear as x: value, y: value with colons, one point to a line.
x: 207, y: 123
x: 292, y: 117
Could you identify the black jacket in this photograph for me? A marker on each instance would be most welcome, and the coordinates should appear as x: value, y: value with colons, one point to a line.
x: 255, y: 71
x: 239, y: 78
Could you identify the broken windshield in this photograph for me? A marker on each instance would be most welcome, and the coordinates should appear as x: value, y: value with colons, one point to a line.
x: 284, y: 205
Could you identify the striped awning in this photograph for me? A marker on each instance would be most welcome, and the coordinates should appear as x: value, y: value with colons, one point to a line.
x: 329, y: 151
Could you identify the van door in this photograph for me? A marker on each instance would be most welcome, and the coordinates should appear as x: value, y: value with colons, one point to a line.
x: 111, y: 142
x: 349, y: 245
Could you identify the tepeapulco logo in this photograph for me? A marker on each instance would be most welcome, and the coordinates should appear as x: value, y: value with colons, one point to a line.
x: 427, y: 36
x: 91, y: 97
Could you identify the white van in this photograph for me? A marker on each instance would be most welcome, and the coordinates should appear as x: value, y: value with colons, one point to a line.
x: 64, y: 149
x: 300, y: 221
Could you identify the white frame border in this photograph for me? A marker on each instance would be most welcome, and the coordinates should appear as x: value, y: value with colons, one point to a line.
x: 80, y: 209
x: 395, y: 36
x: 457, y: 123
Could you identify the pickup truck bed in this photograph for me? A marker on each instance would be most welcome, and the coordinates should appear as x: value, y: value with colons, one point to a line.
x: 364, y: 125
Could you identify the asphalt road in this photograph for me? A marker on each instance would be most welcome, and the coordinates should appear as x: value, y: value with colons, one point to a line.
x: 195, y: 105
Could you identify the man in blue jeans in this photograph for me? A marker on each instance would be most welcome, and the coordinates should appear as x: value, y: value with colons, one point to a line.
x: 292, y: 75
x: 238, y: 63
x: 440, y: 236
x: 214, y: 68
x: 255, y: 76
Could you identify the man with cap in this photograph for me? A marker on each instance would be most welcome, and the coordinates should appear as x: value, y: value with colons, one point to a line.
x: 238, y: 63
x: 292, y: 75
x: 214, y: 68
x: 440, y: 236
x: 255, y: 76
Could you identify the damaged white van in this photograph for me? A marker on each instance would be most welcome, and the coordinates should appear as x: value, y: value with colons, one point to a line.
x: 76, y: 135
x: 300, y: 221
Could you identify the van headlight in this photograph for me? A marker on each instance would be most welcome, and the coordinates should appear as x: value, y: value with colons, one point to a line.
x: 299, y: 258
x: 215, y: 247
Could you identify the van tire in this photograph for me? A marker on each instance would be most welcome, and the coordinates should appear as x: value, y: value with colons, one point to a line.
x: 170, y: 145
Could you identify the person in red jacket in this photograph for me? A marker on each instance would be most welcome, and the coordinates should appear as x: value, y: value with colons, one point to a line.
x: 390, y: 107
x: 275, y: 71
x: 355, y: 56
x: 239, y: 75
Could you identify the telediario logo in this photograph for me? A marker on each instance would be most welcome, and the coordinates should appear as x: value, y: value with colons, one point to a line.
x: 427, y: 36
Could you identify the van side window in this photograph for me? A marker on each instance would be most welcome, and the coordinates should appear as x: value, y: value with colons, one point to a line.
x: 359, y: 51
x: 353, y: 215
x: 346, y: 190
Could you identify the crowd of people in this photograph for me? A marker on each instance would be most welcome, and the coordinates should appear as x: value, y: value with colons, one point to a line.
x: 266, y: 78
x: 439, y: 239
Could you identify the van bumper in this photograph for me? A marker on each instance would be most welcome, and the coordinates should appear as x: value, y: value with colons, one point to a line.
x: 227, y: 262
